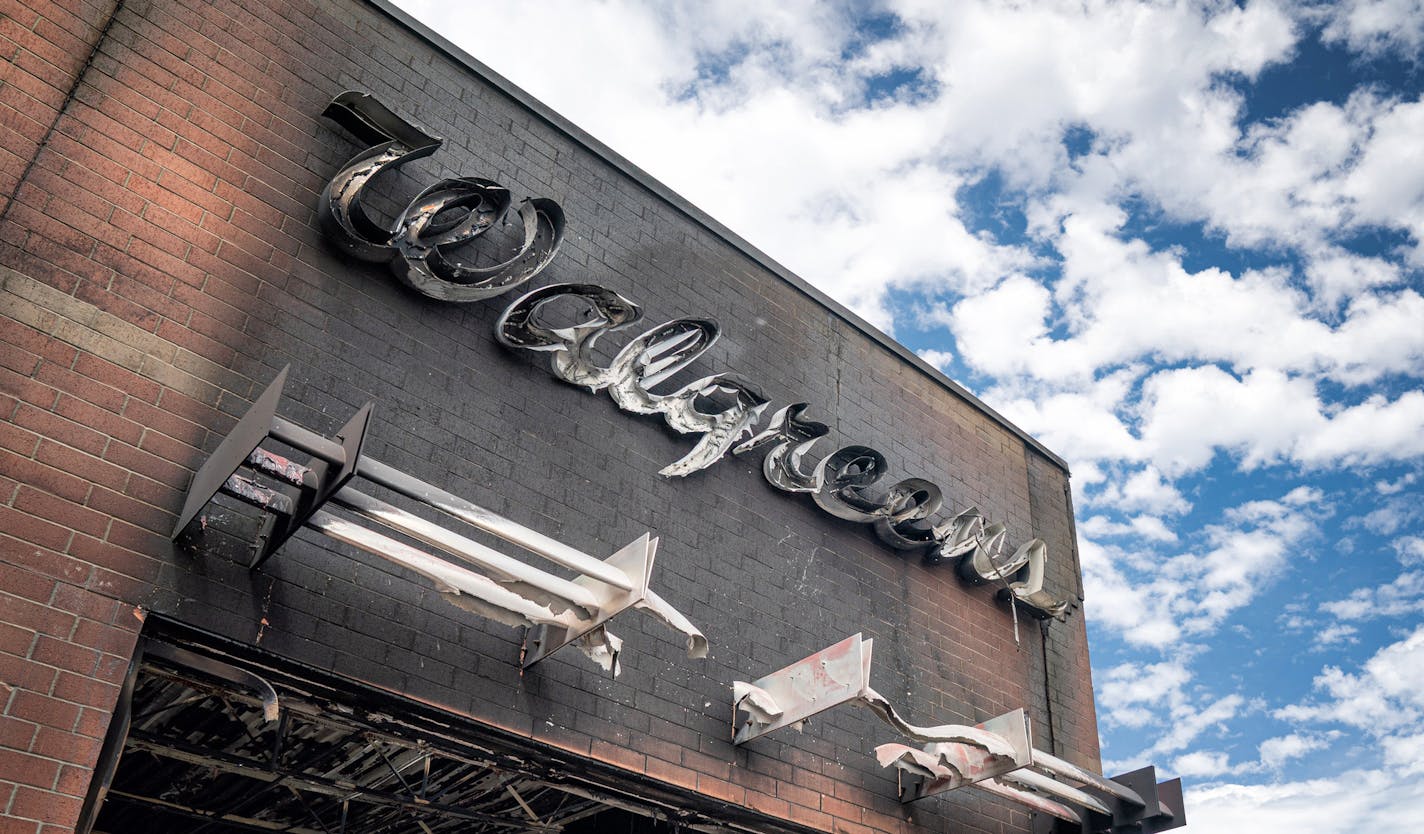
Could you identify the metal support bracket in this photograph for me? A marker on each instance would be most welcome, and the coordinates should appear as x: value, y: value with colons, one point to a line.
x: 1075, y: 799
x: 996, y: 756
x: 331, y: 467
x: 836, y: 675
x: 481, y: 579
x: 1160, y: 809
x: 254, y: 427
x: 833, y: 676
x: 940, y: 767
x: 635, y: 561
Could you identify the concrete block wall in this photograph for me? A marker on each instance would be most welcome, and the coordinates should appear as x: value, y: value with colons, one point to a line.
x: 160, y: 262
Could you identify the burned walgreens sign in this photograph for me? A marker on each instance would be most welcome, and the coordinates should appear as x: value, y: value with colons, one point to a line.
x: 427, y: 247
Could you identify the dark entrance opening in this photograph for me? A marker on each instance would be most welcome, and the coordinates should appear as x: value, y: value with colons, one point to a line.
x: 210, y: 740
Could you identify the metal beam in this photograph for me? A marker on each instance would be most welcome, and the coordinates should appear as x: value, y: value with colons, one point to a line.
x: 487, y: 559
x: 339, y: 789
x: 493, y: 523
x: 1055, y: 766
x: 210, y: 817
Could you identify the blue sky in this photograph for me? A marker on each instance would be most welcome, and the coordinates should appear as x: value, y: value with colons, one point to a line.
x: 1181, y: 244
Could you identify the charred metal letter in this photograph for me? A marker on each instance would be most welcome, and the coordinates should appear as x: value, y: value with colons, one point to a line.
x: 956, y: 537
x: 843, y: 474
x: 983, y: 564
x: 648, y: 360
x: 519, y: 327
x: 421, y: 248
x: 720, y: 430
x: 392, y: 143
x: 846, y: 477
x: 907, y: 505
x: 428, y: 263
x: 653, y: 358
x: 794, y: 437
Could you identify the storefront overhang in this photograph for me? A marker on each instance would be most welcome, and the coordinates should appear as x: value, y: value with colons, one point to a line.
x: 218, y: 736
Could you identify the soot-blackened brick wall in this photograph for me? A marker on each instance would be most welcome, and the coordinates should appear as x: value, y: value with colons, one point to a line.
x: 161, y: 262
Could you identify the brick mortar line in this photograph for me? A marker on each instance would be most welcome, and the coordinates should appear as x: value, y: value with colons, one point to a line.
x: 61, y: 111
x: 91, y: 330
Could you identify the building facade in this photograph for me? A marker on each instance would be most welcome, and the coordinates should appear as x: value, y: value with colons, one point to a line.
x: 193, y: 231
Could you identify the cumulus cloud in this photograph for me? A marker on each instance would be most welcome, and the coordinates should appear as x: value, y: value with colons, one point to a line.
x: 1275, y: 752
x: 1385, y: 698
x: 1410, y: 549
x: 1147, y: 527
x: 1397, y: 485
x: 1202, y: 763
x: 1374, y: 27
x: 1356, y: 800
x: 1393, y: 514
x: 1189, y: 721
x: 1335, y: 635
x: 1133, y: 694
x: 1404, y: 595
x: 1144, y: 490
x: 940, y: 359
x: 1222, y: 569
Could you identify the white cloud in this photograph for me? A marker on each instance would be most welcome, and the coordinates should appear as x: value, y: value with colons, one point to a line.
x: 1384, y: 699
x: 1187, y: 723
x: 1377, y: 26
x: 1274, y: 754
x: 1403, y: 596
x: 1150, y: 528
x: 1277, y: 751
x: 1122, y: 302
x: 1375, y: 430
x: 1392, y: 515
x: 1189, y: 414
x: 1244, y: 557
x: 1134, y: 694
x: 941, y: 359
x: 1184, y: 417
x: 1144, y: 490
x: 1353, y: 801
x: 1405, y: 753
x: 1154, y: 601
x: 1335, y: 635
x: 1138, y: 608
x: 1083, y: 425
x: 1397, y: 485
x: 1410, y: 549
x: 1202, y: 763
x: 1337, y: 274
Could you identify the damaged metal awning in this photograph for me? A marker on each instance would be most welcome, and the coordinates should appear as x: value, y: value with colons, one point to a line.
x: 204, y: 740
x: 485, y: 581
x: 996, y: 756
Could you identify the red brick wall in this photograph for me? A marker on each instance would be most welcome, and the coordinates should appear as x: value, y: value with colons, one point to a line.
x: 44, y: 47
x: 160, y: 261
